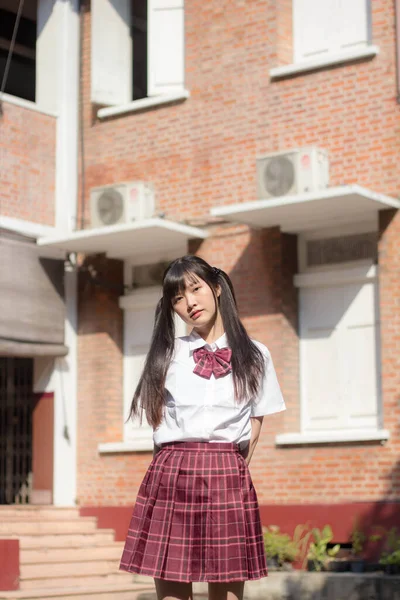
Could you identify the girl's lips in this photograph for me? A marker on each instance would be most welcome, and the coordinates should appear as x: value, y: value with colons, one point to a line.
x: 196, y: 314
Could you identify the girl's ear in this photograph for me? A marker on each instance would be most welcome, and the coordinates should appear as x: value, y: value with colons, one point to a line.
x: 218, y: 290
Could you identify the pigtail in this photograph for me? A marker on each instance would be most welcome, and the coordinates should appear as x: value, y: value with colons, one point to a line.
x: 149, y: 394
x: 248, y: 363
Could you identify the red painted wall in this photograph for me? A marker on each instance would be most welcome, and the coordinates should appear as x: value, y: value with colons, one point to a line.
x: 43, y: 448
x: 9, y: 565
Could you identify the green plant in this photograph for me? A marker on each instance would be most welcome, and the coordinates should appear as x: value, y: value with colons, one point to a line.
x: 279, y: 546
x: 318, y: 552
x: 391, y: 559
x: 391, y: 554
x: 358, y: 539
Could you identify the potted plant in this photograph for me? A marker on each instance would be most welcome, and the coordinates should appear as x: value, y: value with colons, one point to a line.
x: 280, y: 549
x: 319, y: 555
x: 390, y: 558
x: 358, y: 539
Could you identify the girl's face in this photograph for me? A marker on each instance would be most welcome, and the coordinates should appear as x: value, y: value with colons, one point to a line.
x: 196, y: 304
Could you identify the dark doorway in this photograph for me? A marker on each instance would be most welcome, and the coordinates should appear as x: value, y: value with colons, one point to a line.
x: 16, y: 405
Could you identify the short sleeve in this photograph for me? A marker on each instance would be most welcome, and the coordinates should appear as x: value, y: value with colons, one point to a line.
x: 269, y: 399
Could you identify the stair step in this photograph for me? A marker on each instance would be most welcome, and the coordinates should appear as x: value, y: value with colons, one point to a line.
x: 75, y: 540
x: 66, y: 555
x: 38, y: 512
x: 21, y: 528
x: 74, y: 581
x: 72, y: 569
x: 17, y: 527
x: 122, y: 591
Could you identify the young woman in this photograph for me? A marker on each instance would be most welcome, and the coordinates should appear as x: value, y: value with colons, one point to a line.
x: 196, y: 517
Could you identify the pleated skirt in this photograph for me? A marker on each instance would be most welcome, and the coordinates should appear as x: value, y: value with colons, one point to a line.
x: 196, y: 517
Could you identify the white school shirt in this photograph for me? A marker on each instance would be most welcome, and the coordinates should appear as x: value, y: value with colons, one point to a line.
x: 200, y: 409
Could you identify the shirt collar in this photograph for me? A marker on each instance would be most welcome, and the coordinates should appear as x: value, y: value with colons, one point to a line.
x: 196, y: 341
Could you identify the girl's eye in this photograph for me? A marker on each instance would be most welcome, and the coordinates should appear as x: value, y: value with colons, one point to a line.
x: 177, y: 299
x: 196, y: 288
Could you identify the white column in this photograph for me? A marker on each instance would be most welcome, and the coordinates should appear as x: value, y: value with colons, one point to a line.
x: 65, y: 407
x: 60, y: 377
x: 57, y: 90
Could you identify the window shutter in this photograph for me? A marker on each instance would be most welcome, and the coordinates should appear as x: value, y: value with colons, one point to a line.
x: 353, y: 25
x: 166, y: 46
x: 340, y: 356
x: 138, y: 327
x: 360, y: 350
x: 313, y: 27
x: 321, y: 360
x: 111, y: 52
x: 322, y: 26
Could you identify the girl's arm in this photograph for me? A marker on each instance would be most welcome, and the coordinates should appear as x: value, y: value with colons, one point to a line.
x: 256, y: 423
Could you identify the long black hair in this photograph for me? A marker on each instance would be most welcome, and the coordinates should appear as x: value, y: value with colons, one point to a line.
x: 248, y: 364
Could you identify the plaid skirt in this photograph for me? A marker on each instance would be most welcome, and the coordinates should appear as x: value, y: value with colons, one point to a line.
x: 196, y: 517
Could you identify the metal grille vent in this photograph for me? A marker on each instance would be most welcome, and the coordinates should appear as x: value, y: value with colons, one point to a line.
x: 110, y: 206
x: 279, y: 176
x: 342, y: 249
x: 149, y: 275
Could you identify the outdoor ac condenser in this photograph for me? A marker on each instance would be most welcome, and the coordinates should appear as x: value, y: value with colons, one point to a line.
x: 292, y: 172
x: 121, y: 203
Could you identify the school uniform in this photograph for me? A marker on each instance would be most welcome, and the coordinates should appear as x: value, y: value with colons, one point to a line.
x: 196, y: 517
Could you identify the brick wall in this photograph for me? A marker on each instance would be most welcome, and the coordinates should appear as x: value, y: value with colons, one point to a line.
x: 201, y: 153
x: 27, y: 164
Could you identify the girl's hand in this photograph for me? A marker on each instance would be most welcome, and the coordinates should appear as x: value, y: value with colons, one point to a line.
x: 256, y: 423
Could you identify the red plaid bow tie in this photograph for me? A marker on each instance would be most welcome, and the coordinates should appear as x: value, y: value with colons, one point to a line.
x: 208, y: 362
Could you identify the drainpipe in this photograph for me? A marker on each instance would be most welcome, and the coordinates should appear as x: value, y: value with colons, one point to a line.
x: 397, y: 34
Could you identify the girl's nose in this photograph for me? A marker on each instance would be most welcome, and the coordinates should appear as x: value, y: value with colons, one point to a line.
x: 190, y: 302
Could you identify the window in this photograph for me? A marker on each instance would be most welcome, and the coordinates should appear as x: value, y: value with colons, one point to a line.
x: 339, y: 352
x: 339, y: 330
x: 139, y: 31
x: 21, y: 80
x: 137, y: 49
x: 323, y: 27
x: 139, y: 308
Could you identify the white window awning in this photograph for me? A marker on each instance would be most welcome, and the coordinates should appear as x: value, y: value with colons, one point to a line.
x: 331, y: 207
x: 149, y: 239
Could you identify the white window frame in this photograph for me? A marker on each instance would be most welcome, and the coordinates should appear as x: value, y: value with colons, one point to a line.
x: 158, y: 93
x: 136, y: 437
x: 354, y: 274
x: 341, y: 273
x: 334, y: 56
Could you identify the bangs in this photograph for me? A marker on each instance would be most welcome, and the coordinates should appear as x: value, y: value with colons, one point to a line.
x: 177, y: 277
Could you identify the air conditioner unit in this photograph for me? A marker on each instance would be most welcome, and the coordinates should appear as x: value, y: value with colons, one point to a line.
x: 121, y: 203
x: 292, y: 172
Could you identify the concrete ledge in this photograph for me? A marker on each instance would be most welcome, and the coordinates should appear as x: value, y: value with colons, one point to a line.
x: 332, y: 437
x: 324, y: 61
x: 301, y: 585
x: 144, y: 104
x: 27, y: 104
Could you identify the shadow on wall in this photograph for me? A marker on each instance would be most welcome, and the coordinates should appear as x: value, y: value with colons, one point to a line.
x: 263, y: 274
x: 384, y: 514
x: 100, y: 286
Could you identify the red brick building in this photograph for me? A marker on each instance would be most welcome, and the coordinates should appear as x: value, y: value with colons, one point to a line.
x: 192, y: 99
